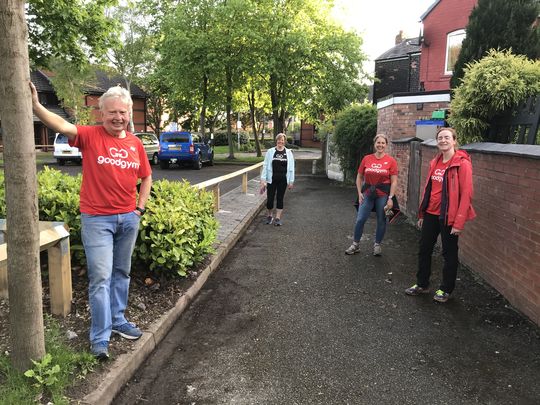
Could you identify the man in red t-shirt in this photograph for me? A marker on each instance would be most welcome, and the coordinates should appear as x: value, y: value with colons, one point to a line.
x: 113, y: 161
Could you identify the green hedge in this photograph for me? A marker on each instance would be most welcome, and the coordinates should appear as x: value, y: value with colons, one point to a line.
x: 176, y: 232
x: 178, y: 228
x: 221, y: 139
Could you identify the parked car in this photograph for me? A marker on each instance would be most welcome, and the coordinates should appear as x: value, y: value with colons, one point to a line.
x: 151, y: 146
x: 184, y: 148
x: 63, y: 152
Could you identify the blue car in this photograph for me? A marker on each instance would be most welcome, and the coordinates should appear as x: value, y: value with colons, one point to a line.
x: 184, y: 148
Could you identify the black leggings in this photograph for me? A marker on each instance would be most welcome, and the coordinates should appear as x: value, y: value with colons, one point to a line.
x: 278, y: 185
x: 431, y: 228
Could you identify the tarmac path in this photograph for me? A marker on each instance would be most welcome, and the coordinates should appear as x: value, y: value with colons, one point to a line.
x: 288, y: 318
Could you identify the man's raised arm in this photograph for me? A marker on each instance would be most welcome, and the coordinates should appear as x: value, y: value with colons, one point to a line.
x: 50, y: 119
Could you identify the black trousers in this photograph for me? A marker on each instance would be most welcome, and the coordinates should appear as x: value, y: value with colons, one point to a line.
x: 278, y: 186
x: 431, y: 228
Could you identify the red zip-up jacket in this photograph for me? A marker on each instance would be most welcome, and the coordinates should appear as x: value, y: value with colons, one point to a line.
x: 456, y: 200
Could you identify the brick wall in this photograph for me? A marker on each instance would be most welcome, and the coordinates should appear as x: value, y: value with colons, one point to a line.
x: 398, y: 120
x: 401, y: 152
x: 502, y: 244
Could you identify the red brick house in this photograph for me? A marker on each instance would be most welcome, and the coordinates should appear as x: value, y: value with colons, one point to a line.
x: 443, y: 32
x: 47, y: 96
x: 444, y: 25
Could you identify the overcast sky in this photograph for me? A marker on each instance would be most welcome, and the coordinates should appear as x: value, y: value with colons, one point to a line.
x: 379, y: 21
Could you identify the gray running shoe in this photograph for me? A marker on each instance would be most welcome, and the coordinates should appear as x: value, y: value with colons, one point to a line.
x: 354, y: 248
x: 377, y: 249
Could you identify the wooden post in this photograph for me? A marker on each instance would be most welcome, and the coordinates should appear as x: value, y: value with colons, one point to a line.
x: 54, y: 238
x: 215, y: 190
x: 3, y: 280
x: 60, y: 277
x: 244, y: 183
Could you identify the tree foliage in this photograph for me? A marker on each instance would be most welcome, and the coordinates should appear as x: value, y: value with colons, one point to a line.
x: 353, y: 136
x: 218, y: 53
x: 74, y: 30
x: 69, y: 81
x: 499, y: 81
x: 499, y: 24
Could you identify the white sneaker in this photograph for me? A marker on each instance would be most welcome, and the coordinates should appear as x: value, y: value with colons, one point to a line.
x: 354, y: 248
x: 377, y: 249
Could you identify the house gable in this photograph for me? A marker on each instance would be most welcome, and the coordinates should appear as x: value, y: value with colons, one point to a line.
x: 444, y: 17
x: 397, y: 69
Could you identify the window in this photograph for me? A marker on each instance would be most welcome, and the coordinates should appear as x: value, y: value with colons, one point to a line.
x: 453, y: 47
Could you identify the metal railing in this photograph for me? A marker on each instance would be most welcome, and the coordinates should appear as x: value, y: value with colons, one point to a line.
x: 213, y: 184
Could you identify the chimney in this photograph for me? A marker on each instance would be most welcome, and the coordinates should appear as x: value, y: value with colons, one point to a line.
x: 399, y: 37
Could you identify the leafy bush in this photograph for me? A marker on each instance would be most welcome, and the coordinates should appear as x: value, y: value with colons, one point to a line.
x: 177, y: 231
x: 490, y: 86
x: 220, y: 137
x: 178, y: 228
x: 353, y: 136
x: 58, y: 200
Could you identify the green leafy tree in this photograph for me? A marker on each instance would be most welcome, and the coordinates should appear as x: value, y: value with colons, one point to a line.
x: 490, y: 86
x: 353, y: 136
x: 133, y: 54
x: 188, y: 66
x: 310, y: 62
x: 499, y: 24
x: 69, y: 81
x: 69, y: 29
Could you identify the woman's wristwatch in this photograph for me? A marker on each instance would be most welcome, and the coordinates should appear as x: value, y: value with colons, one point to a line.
x: 141, y: 210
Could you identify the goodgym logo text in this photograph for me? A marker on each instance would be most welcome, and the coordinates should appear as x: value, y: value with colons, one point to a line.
x: 117, y: 158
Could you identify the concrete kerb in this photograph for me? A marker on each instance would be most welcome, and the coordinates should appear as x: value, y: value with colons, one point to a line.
x: 125, y: 366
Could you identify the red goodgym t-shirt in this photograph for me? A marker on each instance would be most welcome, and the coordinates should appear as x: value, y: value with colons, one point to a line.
x: 111, y: 167
x: 434, y: 206
x: 377, y: 171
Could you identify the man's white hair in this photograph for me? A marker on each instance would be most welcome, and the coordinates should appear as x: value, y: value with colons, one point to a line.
x: 116, y: 92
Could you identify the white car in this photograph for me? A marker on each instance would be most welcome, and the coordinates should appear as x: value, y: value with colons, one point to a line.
x: 63, y: 152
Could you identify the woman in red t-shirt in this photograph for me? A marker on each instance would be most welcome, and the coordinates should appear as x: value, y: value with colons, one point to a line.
x: 376, y: 183
x: 446, y: 206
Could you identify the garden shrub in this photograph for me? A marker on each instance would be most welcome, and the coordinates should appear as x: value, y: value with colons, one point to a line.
x: 355, y: 129
x: 220, y: 137
x: 176, y: 232
x: 58, y: 200
x: 178, y: 228
x: 492, y: 85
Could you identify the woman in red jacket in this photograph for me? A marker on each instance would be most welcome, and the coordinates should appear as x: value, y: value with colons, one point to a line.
x: 446, y: 206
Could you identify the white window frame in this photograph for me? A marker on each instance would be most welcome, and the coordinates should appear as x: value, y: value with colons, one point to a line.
x: 449, y: 37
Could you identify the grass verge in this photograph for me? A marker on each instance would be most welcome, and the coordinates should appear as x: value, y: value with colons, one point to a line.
x: 49, y: 377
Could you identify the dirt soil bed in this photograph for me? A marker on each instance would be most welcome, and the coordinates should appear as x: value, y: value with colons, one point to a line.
x: 149, y: 298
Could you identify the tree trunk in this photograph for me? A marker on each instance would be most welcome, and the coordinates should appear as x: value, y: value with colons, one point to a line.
x: 128, y: 88
x: 228, y: 91
x: 202, y: 118
x: 24, y: 277
x: 251, y: 101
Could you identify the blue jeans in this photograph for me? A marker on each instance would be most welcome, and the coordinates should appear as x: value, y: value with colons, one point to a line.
x: 364, y: 212
x: 108, y: 242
